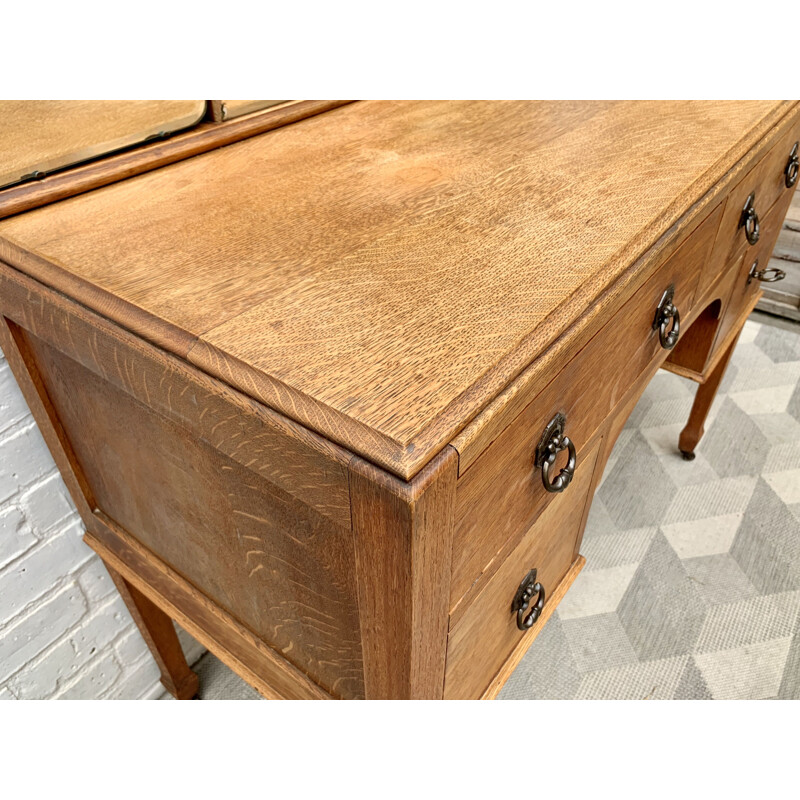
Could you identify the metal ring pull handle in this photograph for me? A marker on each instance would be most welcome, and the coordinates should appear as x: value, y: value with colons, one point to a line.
x: 768, y: 275
x: 749, y: 220
x: 792, y: 167
x: 667, y: 320
x: 528, y: 589
x: 553, y: 441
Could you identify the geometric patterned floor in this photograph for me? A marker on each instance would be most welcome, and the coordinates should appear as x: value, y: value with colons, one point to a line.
x: 691, y: 588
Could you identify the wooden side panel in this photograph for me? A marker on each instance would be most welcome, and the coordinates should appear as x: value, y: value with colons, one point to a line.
x: 274, y: 564
x: 302, y: 464
x: 228, y: 639
x: 403, y: 541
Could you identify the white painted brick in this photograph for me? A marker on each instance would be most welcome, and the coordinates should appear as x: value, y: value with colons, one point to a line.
x: 13, y: 407
x: 5, y: 694
x: 100, y: 627
x: 85, y: 643
x: 39, y: 570
x: 35, y: 631
x: 41, y: 678
x: 143, y: 681
x: 15, y: 535
x: 95, y: 581
x: 47, y: 504
x: 98, y: 677
x: 131, y: 647
x: 24, y: 458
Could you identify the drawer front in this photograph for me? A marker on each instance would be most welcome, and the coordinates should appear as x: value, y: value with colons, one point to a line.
x: 766, y: 181
x: 483, y: 637
x: 585, y: 391
x: 745, y: 289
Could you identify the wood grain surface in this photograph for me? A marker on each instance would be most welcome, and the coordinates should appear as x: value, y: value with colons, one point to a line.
x: 381, y: 272
x: 161, y: 638
x: 275, y: 565
x: 39, y: 136
x: 482, y: 638
x: 152, y: 155
x: 306, y: 466
x: 227, y: 638
x: 403, y: 540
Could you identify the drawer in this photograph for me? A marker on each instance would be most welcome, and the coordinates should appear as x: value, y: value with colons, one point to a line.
x: 744, y: 288
x: 483, y: 637
x: 766, y: 181
x: 504, y: 477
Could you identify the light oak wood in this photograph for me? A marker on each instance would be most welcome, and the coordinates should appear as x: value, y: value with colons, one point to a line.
x: 586, y: 391
x: 233, y: 643
x: 41, y: 136
x: 766, y: 181
x: 524, y: 644
x: 284, y: 571
x: 307, y: 467
x: 295, y: 384
x: 482, y: 639
x: 743, y: 291
x: 706, y: 392
x: 335, y: 318
x: 404, y: 539
x: 159, y: 633
x: 149, y: 156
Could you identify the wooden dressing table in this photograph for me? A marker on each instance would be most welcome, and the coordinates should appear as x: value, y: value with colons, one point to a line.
x: 336, y: 396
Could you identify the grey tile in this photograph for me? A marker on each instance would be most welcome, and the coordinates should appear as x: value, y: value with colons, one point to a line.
x: 692, y: 685
x: 767, y: 544
x: 719, y: 579
x: 639, y: 489
x: 615, y: 548
x: 547, y: 671
x: 748, y: 621
x: 734, y: 444
x: 777, y: 345
x: 598, y: 642
x: 790, y: 683
x: 662, y: 610
x: 793, y: 407
x: 649, y: 680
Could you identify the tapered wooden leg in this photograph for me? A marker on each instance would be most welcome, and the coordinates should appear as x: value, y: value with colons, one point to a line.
x: 159, y: 633
x: 706, y: 392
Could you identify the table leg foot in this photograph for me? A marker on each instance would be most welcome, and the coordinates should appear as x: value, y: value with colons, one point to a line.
x: 706, y: 392
x: 159, y: 634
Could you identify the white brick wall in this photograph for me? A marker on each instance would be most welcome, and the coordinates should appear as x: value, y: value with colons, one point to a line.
x: 64, y: 630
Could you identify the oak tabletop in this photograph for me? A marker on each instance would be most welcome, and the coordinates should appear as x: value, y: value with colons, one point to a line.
x: 382, y: 271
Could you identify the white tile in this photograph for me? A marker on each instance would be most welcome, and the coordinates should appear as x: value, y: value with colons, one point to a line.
x: 597, y: 592
x: 703, y: 537
x: 749, y: 332
x: 770, y: 400
x: 785, y: 484
x: 752, y: 672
